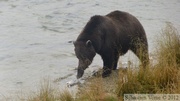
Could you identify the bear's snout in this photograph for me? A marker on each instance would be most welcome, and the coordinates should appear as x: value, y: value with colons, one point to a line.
x: 80, y: 73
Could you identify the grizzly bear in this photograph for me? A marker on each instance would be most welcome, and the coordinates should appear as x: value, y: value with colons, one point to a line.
x: 110, y: 36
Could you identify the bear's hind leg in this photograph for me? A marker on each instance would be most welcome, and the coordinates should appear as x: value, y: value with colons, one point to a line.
x: 142, y: 53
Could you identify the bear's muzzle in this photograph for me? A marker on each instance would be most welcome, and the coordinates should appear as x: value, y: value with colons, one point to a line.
x: 80, y: 73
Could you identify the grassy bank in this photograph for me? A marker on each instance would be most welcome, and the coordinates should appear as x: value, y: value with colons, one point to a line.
x: 161, y: 77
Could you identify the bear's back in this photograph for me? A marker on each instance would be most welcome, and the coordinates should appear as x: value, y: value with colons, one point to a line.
x: 120, y: 16
x: 126, y: 23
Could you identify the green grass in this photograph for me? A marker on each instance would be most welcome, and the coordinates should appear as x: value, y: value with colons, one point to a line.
x: 163, y: 77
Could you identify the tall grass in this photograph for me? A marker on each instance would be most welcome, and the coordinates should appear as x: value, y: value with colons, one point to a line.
x: 49, y: 93
x: 162, y: 77
x: 168, y: 50
x: 96, y: 90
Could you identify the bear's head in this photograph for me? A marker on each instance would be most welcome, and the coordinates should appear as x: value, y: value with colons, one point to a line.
x: 85, y: 52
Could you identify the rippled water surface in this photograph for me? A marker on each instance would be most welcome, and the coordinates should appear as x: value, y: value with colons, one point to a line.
x: 35, y: 36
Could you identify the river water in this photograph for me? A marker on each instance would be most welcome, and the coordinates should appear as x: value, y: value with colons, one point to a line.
x: 35, y: 37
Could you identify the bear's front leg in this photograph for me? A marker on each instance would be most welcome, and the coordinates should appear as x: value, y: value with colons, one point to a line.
x: 106, y: 72
x: 107, y: 65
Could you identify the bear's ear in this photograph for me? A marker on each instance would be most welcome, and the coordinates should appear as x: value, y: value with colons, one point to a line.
x: 88, y: 43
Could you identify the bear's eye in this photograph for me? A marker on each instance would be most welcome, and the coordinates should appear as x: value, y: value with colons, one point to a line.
x: 80, y: 56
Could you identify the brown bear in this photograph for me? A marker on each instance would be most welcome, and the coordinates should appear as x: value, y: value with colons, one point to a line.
x: 110, y: 36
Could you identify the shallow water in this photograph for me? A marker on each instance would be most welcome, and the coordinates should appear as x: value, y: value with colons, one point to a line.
x: 35, y: 35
